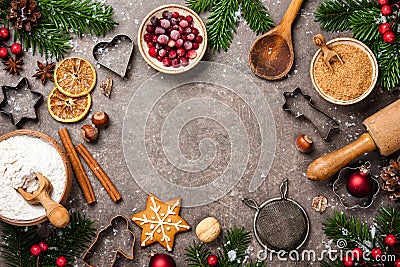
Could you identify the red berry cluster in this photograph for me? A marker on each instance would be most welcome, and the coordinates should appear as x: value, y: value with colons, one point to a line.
x: 386, y: 29
x: 16, y: 48
x: 172, y: 39
x: 37, y: 249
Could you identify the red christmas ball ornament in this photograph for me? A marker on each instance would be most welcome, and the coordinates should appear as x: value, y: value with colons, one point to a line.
x: 61, y: 261
x: 162, y: 260
x: 359, y: 184
x: 35, y: 250
x: 376, y: 253
x: 212, y: 260
x: 397, y: 263
x: 16, y: 49
x: 357, y: 253
x: 4, y: 33
x: 3, y: 53
x: 383, y: 2
x: 386, y: 10
x: 348, y: 261
x: 384, y: 27
x: 43, y: 246
x: 390, y: 240
x: 389, y: 37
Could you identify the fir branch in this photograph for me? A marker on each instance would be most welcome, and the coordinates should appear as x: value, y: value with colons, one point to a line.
x: 16, y: 243
x: 389, y: 65
x: 237, y: 240
x: 365, y: 26
x: 256, y: 15
x: 222, y: 24
x: 199, y: 6
x: 196, y: 255
x: 334, y: 15
x: 387, y: 222
x: 78, y: 16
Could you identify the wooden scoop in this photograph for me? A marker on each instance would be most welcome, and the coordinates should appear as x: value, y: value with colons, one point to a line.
x: 271, y: 55
x: 383, y: 134
x: 319, y: 40
x: 56, y: 213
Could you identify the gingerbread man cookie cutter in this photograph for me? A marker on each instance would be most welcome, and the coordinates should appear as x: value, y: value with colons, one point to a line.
x: 102, y: 234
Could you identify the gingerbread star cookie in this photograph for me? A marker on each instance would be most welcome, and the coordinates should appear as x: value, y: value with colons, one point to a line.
x: 160, y: 222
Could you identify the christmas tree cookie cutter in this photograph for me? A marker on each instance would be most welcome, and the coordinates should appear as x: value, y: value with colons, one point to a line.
x: 20, y: 102
x: 348, y: 201
x: 114, y: 55
x: 300, y: 105
x: 102, y: 239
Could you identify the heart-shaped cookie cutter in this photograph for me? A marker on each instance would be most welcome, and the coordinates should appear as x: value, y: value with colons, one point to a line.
x: 101, y: 52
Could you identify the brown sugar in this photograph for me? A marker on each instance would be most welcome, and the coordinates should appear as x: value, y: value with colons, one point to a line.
x: 349, y: 80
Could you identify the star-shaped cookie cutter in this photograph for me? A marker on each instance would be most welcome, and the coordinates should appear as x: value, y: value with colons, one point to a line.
x: 22, y: 85
x: 118, y: 251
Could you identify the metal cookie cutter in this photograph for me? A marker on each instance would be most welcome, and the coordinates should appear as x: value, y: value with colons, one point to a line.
x: 114, y: 55
x: 299, y: 104
x: 104, y: 236
x: 20, y: 102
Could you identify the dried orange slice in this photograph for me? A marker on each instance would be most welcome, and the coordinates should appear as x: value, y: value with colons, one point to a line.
x: 75, y: 76
x: 68, y: 109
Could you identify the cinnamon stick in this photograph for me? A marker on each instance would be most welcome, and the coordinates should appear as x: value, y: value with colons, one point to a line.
x: 99, y: 172
x: 80, y: 174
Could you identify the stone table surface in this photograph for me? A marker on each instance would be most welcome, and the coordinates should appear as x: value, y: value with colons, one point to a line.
x: 287, y: 161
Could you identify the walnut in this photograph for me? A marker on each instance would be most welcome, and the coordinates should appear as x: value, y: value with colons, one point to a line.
x: 319, y: 204
x: 208, y: 229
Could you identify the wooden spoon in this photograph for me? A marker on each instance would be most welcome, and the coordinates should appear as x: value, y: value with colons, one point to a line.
x: 271, y: 55
x: 56, y: 213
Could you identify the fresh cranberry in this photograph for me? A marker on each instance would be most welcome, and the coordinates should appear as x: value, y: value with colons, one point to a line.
x: 148, y: 37
x: 187, y: 30
x: 181, y: 31
x: 158, y: 46
x: 184, y: 61
x: 155, y: 21
x: 4, y: 33
x: 187, y: 45
x: 176, y: 63
x: 175, y: 35
x: 184, y: 37
x: 195, y: 31
x: 162, y: 52
x: 172, y: 54
x: 159, y: 30
x: 192, y: 54
x: 3, y: 53
x: 175, y: 15
x: 183, y: 23
x: 155, y: 37
x: 150, y: 44
x: 166, y: 14
x: 179, y: 43
x: 166, y: 62
x: 171, y: 43
x: 173, y: 21
x: 163, y: 39
x: 199, y: 39
x: 150, y: 28
x: 189, y: 18
x: 191, y: 37
x: 159, y: 58
x: 165, y: 23
x: 181, y: 17
x: 195, y: 46
x: 181, y: 52
x: 152, y: 51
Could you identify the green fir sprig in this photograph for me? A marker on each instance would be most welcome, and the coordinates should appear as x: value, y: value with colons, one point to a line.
x: 363, y: 18
x: 223, y: 19
x: 235, y: 242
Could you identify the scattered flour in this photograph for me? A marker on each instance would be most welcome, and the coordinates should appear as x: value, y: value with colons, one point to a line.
x: 21, y: 157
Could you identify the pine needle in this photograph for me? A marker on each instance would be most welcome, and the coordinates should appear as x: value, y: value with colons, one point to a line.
x: 256, y: 15
x: 199, y: 6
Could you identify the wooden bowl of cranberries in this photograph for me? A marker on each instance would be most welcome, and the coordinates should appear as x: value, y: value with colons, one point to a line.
x: 172, y: 39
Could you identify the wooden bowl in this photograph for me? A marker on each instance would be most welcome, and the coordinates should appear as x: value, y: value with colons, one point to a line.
x: 365, y: 49
x: 197, y: 22
x: 67, y: 166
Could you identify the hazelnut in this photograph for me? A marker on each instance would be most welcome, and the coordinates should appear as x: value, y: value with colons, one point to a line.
x: 304, y: 143
x: 89, y: 132
x: 208, y: 229
x: 100, y: 119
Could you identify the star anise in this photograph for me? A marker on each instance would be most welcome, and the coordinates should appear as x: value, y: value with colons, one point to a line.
x: 45, y: 72
x: 13, y: 65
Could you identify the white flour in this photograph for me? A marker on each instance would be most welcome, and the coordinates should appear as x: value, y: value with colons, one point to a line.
x: 21, y: 157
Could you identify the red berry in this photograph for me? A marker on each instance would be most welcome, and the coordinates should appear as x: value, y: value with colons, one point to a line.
x: 16, y: 49
x: 150, y: 28
x: 181, y: 52
x: 384, y: 27
x: 152, y: 51
x: 175, y: 15
x: 357, y: 253
x: 192, y: 54
x: 148, y: 37
x: 43, y: 246
x: 172, y: 54
x: 195, y: 46
x: 376, y: 253
x: 183, y: 23
x: 166, y: 62
x: 389, y: 37
x: 35, y: 250
x: 4, y: 33
x: 195, y: 31
x: 176, y: 63
x: 397, y: 263
x: 3, y: 53
x: 212, y: 260
x: 159, y: 58
x: 189, y: 18
x: 150, y: 44
x: 383, y: 2
x: 386, y: 10
x: 348, y: 261
x: 199, y: 39
x: 184, y: 61
x: 61, y: 261
x: 390, y: 240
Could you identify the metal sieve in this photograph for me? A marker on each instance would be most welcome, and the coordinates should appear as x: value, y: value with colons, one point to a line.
x: 280, y: 223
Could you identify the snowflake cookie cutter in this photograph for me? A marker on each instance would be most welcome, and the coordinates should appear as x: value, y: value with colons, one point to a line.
x: 10, y: 105
x: 94, y: 251
x: 295, y: 103
x: 160, y: 222
x: 103, y: 53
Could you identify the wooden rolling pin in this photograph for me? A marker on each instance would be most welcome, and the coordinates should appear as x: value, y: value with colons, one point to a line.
x: 383, y: 133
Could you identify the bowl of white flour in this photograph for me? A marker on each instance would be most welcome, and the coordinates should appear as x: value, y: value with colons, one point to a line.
x: 23, y: 154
